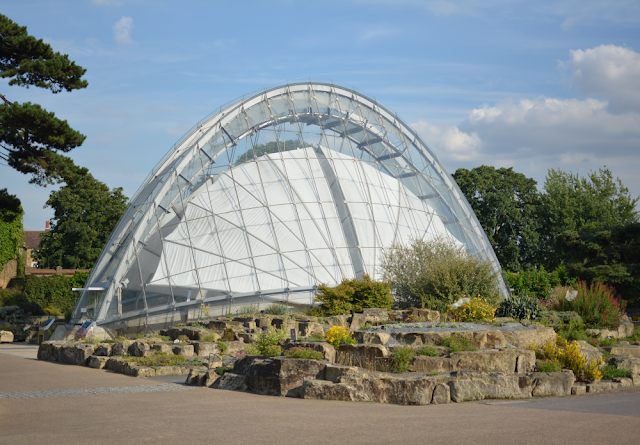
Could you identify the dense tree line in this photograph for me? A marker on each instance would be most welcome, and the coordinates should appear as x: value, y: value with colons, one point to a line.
x: 589, y: 225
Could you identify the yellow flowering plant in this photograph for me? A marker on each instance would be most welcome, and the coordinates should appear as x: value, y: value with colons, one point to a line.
x: 568, y: 355
x: 337, y: 335
x: 477, y: 308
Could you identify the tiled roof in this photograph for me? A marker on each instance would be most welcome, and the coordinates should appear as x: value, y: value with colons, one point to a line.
x: 32, y: 240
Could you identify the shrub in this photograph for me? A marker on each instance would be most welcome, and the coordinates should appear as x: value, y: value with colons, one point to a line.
x: 434, y: 274
x: 568, y: 355
x: 611, y: 371
x: 572, y: 331
x: 248, y: 310
x: 402, y: 357
x: 306, y: 353
x: 277, y: 309
x: 429, y: 351
x: 223, y: 346
x: 597, y: 304
x: 518, y: 307
x: 265, y: 341
x: 457, y: 344
x: 209, y: 337
x: 272, y: 351
x: 337, y: 335
x: 538, y: 282
x: 53, y: 291
x: 549, y: 366
x: 354, y: 295
x: 476, y: 309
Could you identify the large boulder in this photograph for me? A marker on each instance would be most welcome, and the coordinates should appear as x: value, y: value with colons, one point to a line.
x: 629, y: 363
x: 120, y: 347
x: 552, y: 384
x: 67, y: 354
x: 433, y: 364
x: 627, y: 351
x: 625, y: 330
x: 333, y: 373
x: 376, y: 338
x: 479, y: 385
x: 163, y: 371
x: 162, y: 347
x: 589, y: 352
x: 377, y: 313
x: 103, y: 349
x: 82, y: 352
x: 423, y: 315
x: 186, y: 350
x: 505, y: 360
x: 115, y: 364
x: 523, y: 338
x: 231, y: 381
x: 280, y: 376
x: 326, y: 390
x: 193, y: 332
x: 364, y: 351
x: 139, y: 349
x: 307, y: 328
x: 49, y: 351
x: 338, y: 320
x: 97, y: 361
x: 6, y: 336
x: 138, y: 371
x: 204, y: 349
x: 441, y: 394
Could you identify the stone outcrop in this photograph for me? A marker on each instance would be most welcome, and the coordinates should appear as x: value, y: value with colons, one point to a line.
x: 479, y: 339
x: 505, y: 360
x: 338, y: 320
x: 103, y: 349
x: 231, y: 381
x: 97, y: 361
x: 630, y: 363
x: 278, y: 376
x: 479, y: 385
x: 186, y: 350
x: 525, y: 337
x: 552, y: 384
x: 204, y: 349
x: 441, y: 394
x: 433, y: 364
x: 139, y: 349
x: 589, y: 352
x: 6, y: 336
x: 376, y: 338
x: 624, y: 330
x: 81, y: 353
x: 327, y: 350
x: 120, y: 347
x: 628, y: 351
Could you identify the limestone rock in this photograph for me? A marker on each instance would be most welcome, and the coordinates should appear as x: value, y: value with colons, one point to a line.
x: 630, y: 363
x: 211, y: 376
x: 399, y: 389
x: 204, y: 349
x: 365, y: 351
x: 552, y: 384
x: 193, y: 332
x: 186, y: 350
x: 6, y: 336
x: 66, y: 354
x: 120, y: 347
x: 97, y: 361
x: 221, y: 325
x: 327, y: 350
x: 234, y: 346
x: 358, y: 321
x: 103, y: 349
x: 505, y: 360
x: 377, y: 313
x: 162, y: 348
x: 281, y: 322
x: 423, y: 315
x: 171, y: 370
x: 139, y: 349
x: 49, y: 351
x: 307, y: 328
x: 589, y: 352
x: 196, y: 377
x: 628, y: 351
x: 82, y: 352
x: 280, y: 376
x: 246, y: 338
x: 441, y: 394
x: 325, y: 390
x: 525, y: 337
x: 480, y: 385
x: 333, y: 373
x: 338, y: 320
x: 231, y: 381
x: 138, y: 371
x: 376, y: 338
x: 578, y: 389
x: 115, y: 364
x: 625, y: 330
x: 479, y: 339
x: 430, y: 364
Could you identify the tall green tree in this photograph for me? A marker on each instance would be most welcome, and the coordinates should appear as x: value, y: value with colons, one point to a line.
x: 86, y: 212
x: 507, y: 204
x: 33, y: 139
x: 574, y: 204
x: 11, y: 231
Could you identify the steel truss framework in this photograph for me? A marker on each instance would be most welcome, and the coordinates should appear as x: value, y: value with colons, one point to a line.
x: 297, y: 185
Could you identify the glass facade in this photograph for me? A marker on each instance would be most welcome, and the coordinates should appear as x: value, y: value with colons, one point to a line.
x: 267, y: 198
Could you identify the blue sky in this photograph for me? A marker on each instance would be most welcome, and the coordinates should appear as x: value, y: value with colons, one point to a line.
x: 529, y: 85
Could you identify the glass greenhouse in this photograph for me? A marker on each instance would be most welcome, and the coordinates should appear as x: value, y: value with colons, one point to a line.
x: 268, y: 197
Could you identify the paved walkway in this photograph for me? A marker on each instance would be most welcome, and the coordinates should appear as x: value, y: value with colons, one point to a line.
x: 76, y: 405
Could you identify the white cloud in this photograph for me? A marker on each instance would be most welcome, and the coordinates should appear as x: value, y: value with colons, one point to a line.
x: 610, y: 70
x: 577, y: 135
x: 569, y: 23
x: 122, y: 30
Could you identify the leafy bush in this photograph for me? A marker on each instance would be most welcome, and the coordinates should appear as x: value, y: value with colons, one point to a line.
x: 266, y: 340
x: 354, y: 295
x: 476, y: 309
x: 549, y: 366
x: 272, y: 351
x: 567, y: 355
x: 537, y: 282
x: 402, y: 357
x: 607, y: 342
x: 54, y: 291
x: 429, y: 351
x: 518, y: 307
x: 458, y: 344
x: 277, y: 309
x: 248, y: 310
x: 434, y: 274
x: 572, y: 331
x: 597, y: 304
x: 337, y: 335
x: 611, y: 371
x: 306, y: 353
x: 223, y: 346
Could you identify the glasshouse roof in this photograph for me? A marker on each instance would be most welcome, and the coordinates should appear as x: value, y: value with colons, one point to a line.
x: 268, y: 197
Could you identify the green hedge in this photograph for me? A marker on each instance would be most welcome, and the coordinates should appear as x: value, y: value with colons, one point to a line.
x: 54, y: 291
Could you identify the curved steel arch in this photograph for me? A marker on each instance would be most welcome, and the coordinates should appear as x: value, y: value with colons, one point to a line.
x: 373, y: 133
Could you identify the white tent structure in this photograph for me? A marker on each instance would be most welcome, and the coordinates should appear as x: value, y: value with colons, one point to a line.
x: 269, y: 197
